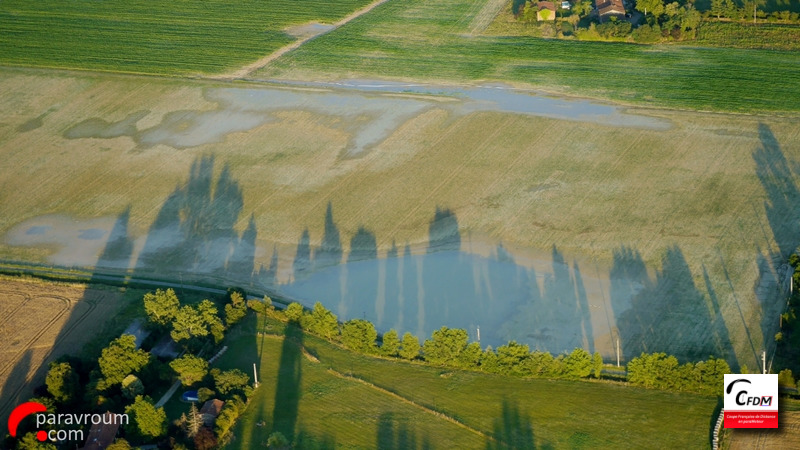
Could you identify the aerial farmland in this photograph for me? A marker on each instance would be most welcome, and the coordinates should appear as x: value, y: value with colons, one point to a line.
x: 408, y: 164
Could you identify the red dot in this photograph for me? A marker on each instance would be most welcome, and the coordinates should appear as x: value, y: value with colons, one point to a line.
x: 41, y: 435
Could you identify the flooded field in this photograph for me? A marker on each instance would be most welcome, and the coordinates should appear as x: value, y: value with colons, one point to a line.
x: 555, y: 222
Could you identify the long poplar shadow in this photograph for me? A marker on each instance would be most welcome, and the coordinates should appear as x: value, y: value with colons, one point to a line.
x: 667, y: 314
x: 288, y: 389
x: 513, y: 429
x: 778, y: 175
x: 394, y: 433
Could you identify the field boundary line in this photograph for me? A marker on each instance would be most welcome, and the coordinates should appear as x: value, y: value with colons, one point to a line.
x: 408, y: 401
x: 252, y: 67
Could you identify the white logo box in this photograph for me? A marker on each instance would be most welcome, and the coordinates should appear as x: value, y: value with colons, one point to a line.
x: 751, y: 400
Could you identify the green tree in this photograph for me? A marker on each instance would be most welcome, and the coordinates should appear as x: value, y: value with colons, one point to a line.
x: 390, y: 344
x: 236, y: 309
x: 359, y: 335
x: 512, y: 358
x: 146, y: 421
x: 204, y: 394
x: 653, y: 370
x: 62, y: 382
x: 190, y: 369
x: 471, y: 356
x: 786, y: 379
x: 120, y: 444
x: 208, y: 313
x: 29, y: 442
x: 445, y: 346
x: 188, y: 324
x: 324, y: 322
x: 121, y: 358
x: 489, y: 361
x: 579, y: 364
x: 718, y: 8
x: 410, y: 346
x: 161, y: 307
x: 132, y: 386
x: 597, y: 365
x: 230, y: 381
x: 582, y: 8
x: 294, y: 312
x: 654, y: 7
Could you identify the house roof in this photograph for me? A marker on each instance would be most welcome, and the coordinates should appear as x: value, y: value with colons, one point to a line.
x: 102, y: 435
x: 547, y: 5
x: 212, y: 407
x: 610, y: 7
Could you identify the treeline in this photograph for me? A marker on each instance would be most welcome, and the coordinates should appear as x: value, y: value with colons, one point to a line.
x: 744, y: 10
x: 450, y: 347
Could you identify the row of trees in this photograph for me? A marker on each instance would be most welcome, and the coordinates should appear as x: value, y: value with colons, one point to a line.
x: 662, y: 371
x: 450, y: 347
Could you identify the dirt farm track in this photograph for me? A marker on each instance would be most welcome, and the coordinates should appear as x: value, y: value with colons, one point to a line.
x: 40, y: 322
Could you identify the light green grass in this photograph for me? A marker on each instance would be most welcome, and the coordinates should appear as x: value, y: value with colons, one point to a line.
x: 175, y: 37
x: 421, y: 40
x: 561, y: 414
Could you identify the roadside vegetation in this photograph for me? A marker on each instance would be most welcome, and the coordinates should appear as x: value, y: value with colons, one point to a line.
x: 318, y: 393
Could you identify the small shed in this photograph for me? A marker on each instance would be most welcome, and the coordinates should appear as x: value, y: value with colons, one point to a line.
x: 210, y: 411
x: 547, y: 11
x: 102, y: 434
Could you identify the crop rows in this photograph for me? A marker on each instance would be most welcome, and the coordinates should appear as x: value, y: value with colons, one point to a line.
x: 433, y: 46
x: 153, y: 37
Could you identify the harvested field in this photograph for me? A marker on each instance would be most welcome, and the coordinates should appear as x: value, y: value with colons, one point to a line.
x: 667, y: 238
x: 786, y: 436
x: 41, y: 321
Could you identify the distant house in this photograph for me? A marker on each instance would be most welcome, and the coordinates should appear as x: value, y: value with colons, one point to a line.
x: 102, y: 434
x: 547, y: 11
x: 210, y: 411
x: 566, y: 5
x: 610, y: 8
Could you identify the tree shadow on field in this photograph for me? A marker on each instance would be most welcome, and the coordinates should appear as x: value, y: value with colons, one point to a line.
x: 777, y: 175
x: 394, y: 433
x: 21, y: 383
x: 288, y: 389
x: 194, y: 231
x: 513, y: 429
x: 668, y: 314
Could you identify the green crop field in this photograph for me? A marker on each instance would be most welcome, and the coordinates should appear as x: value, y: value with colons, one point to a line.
x: 784, y: 37
x: 422, y: 40
x: 304, y: 398
x: 174, y: 37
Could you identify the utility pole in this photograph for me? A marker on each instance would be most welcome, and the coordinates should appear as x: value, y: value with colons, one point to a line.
x: 764, y: 361
x: 617, y: 352
x: 479, y: 334
x: 255, y: 375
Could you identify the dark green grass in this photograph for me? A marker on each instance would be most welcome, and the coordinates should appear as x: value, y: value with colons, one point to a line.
x: 561, y: 414
x: 171, y: 37
x: 745, y: 35
x: 415, y: 39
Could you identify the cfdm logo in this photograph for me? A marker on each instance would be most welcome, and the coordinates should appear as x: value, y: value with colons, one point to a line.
x: 57, y: 421
x: 751, y: 400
